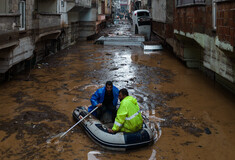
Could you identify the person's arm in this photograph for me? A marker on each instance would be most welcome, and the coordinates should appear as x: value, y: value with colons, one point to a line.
x: 94, y: 99
x: 110, y: 130
x: 115, y: 95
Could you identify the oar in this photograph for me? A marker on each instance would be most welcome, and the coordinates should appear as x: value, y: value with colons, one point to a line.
x: 78, y: 122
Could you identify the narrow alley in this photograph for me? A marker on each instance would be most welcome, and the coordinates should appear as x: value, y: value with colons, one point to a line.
x: 36, y: 105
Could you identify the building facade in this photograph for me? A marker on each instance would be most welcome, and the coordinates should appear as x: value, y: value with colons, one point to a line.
x: 162, y: 19
x: 201, y: 33
x: 31, y: 30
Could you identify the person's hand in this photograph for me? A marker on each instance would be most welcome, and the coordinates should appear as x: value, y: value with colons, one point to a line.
x: 99, y: 105
x: 110, y: 130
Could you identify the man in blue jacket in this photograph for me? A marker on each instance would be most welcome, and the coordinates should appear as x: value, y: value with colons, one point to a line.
x: 106, y: 99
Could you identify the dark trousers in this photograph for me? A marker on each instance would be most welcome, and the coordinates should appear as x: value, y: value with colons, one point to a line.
x: 110, y: 109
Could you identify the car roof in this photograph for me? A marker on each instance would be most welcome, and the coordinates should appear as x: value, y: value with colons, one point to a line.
x: 141, y: 10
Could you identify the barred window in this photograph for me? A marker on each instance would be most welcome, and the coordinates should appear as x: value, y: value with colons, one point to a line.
x: 189, y: 2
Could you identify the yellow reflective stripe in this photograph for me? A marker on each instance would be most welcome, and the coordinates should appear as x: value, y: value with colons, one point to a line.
x: 118, y: 124
x: 133, y: 116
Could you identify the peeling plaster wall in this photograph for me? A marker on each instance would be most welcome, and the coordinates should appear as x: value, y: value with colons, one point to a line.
x: 3, y: 6
x: 88, y: 15
x: 47, y: 6
x: 159, y: 10
x: 213, y: 57
x: 73, y: 17
x: 23, y: 51
x: 25, y: 43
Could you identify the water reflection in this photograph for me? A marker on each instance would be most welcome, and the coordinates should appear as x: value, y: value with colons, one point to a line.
x: 152, y: 52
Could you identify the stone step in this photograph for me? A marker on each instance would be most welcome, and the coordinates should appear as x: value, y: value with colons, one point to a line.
x: 121, y: 40
x: 151, y: 46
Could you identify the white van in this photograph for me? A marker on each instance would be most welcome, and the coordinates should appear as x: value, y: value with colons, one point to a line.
x: 142, y: 22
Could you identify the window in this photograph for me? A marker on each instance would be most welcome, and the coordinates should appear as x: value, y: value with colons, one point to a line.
x: 189, y: 2
x: 222, y: 0
x: 139, y: 14
x: 62, y: 3
x: 22, y: 15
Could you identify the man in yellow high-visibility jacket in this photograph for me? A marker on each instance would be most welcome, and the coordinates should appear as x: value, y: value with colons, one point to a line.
x: 128, y: 117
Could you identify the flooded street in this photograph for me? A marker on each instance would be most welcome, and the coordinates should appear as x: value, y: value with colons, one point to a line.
x: 199, y: 114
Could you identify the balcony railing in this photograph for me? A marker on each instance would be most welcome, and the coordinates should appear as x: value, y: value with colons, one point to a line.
x: 180, y: 3
x: 47, y: 21
x: 9, y: 23
x: 9, y: 28
x: 46, y: 25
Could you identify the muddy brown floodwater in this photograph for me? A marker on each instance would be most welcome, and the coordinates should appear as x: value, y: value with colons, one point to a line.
x: 200, y: 121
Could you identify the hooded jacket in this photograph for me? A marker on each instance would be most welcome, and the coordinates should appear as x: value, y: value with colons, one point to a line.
x: 98, y: 97
x: 128, y: 117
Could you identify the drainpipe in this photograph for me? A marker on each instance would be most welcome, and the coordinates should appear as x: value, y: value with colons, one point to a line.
x: 214, y: 14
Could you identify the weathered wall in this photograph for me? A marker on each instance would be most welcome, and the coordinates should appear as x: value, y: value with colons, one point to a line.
x: 193, y: 27
x: 29, y: 14
x: 84, y: 3
x: 159, y: 10
x: 165, y: 30
x: 45, y: 31
x: 47, y: 6
x: 73, y: 16
x: 162, y: 14
x: 24, y: 44
x: 23, y: 51
x: 88, y: 15
x: 8, y: 23
x: 87, y: 22
x: 191, y: 19
x: 38, y: 32
x: 226, y: 22
x: 3, y: 6
x: 49, y: 20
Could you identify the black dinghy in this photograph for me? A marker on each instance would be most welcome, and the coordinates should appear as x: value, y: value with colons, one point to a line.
x: 119, y: 141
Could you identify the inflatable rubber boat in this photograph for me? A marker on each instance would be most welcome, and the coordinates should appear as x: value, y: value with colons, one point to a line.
x: 119, y: 141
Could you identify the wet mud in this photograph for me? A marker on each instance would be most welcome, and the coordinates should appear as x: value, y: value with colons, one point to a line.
x: 199, y: 114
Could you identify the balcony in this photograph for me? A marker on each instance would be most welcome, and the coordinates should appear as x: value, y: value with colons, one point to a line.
x: 9, y: 31
x: 83, y: 3
x: 77, y: 4
x: 47, y: 26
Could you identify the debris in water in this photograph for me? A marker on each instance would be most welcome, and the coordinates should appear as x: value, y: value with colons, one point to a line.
x: 207, y: 131
x: 60, y: 148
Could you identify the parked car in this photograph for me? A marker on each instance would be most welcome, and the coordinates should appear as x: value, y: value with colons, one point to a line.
x: 142, y: 22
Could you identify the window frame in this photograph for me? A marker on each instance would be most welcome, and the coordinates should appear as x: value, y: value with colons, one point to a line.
x: 179, y: 3
x: 218, y: 1
x: 22, y: 10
